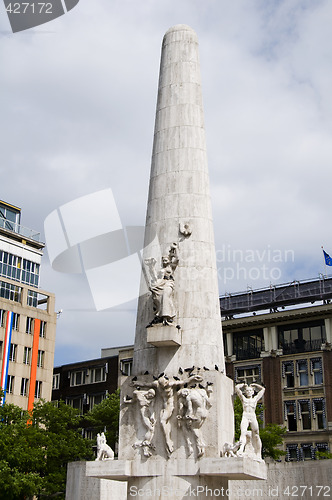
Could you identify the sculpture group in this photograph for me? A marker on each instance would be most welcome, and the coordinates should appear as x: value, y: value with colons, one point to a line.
x: 189, y: 399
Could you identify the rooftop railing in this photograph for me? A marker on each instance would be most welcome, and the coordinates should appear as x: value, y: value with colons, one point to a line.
x: 18, y: 229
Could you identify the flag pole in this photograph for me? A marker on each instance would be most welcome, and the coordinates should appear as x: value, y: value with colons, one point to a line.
x: 324, y: 262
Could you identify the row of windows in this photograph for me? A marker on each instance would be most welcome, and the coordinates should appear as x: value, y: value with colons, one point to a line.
x: 292, y: 339
x: 303, y: 372
x: 10, y: 292
x: 304, y: 451
x: 298, y: 373
x: 89, y: 400
x: 26, y: 355
x: 88, y: 376
x: 83, y: 376
x: 305, y: 414
x: 18, y: 269
x: 24, y: 388
x: 29, y: 323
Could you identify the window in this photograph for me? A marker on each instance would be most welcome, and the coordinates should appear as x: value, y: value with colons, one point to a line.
x: 42, y: 331
x: 322, y: 447
x: 56, y: 381
x: 10, y: 384
x: 247, y: 374
x: 75, y: 403
x: 16, y: 318
x: 2, y: 317
x: 18, y: 269
x: 248, y: 345
x: 38, y: 389
x: 10, y: 292
x: 307, y: 451
x: 290, y: 415
x: 305, y: 414
x: 303, y: 337
x: 40, y: 359
x: 126, y: 366
x: 292, y: 453
x: 24, y: 386
x: 288, y: 373
x: 318, y: 411
x: 29, y: 325
x: 30, y: 273
x: 77, y: 378
x: 26, y: 355
x: 95, y: 399
x: 316, y: 370
x: 12, y: 352
x: 98, y: 375
x: 10, y: 216
x: 302, y: 371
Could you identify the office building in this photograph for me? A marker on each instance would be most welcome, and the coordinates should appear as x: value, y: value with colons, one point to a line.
x: 27, y: 316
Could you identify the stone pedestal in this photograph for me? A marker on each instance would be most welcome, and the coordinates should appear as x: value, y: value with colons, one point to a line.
x: 204, y: 478
x: 160, y: 336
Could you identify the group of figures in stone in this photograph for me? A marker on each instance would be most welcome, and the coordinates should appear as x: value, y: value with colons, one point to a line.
x: 192, y: 409
x: 250, y: 444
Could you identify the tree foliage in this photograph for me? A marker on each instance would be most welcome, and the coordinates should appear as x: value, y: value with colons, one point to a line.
x: 35, y: 449
x: 104, y: 417
x: 271, y: 434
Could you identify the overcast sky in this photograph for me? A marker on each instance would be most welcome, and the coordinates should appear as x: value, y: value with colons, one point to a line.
x: 78, y: 98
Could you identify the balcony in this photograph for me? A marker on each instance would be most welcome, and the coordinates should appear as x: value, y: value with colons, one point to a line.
x: 13, y: 227
x: 300, y: 345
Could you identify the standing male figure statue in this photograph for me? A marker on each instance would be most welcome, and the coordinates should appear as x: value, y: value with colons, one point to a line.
x: 249, y: 401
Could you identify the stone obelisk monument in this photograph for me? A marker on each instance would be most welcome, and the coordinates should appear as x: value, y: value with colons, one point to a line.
x: 176, y: 407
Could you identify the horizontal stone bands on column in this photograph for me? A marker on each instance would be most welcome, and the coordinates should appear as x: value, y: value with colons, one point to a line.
x: 176, y: 94
x: 180, y: 115
x: 176, y: 160
x: 186, y: 136
x: 180, y: 71
x: 187, y: 182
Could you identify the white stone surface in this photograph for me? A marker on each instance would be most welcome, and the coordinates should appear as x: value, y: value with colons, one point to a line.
x: 82, y: 487
x: 305, y: 480
x: 161, y: 336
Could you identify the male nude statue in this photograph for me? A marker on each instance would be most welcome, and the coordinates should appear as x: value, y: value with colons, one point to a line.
x: 249, y: 401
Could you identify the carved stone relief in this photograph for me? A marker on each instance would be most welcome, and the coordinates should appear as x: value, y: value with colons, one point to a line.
x: 162, y: 287
x: 188, y: 397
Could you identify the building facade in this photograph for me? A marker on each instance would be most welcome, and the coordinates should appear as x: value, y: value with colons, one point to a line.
x: 288, y: 349
x: 27, y: 316
x: 84, y: 384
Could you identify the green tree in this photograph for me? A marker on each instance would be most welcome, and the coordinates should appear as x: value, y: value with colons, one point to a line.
x: 35, y: 449
x: 104, y: 417
x: 271, y: 435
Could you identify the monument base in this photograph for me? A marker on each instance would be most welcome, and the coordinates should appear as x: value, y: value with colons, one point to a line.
x: 207, y: 477
x: 160, y: 336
